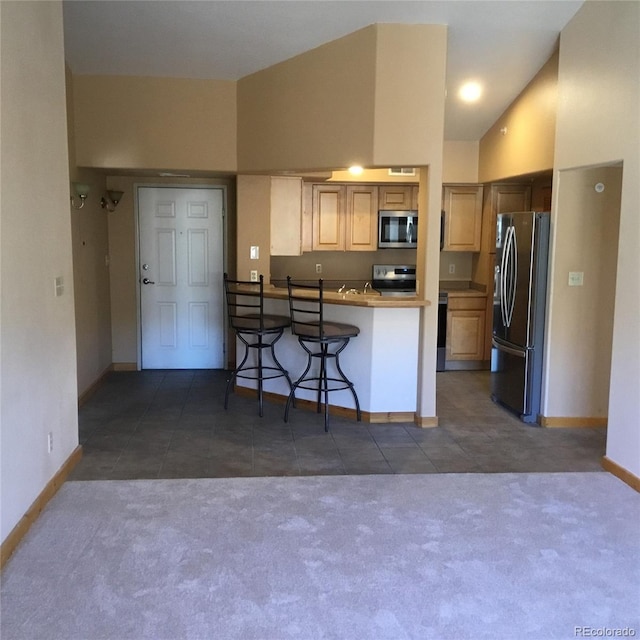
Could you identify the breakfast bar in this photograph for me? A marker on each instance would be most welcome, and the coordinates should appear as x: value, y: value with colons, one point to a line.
x: 382, y: 361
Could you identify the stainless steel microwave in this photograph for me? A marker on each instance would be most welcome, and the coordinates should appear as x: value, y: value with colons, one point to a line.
x: 397, y: 229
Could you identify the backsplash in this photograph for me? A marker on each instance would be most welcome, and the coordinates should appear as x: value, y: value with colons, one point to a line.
x: 356, y: 266
x: 337, y: 265
x: 462, y: 262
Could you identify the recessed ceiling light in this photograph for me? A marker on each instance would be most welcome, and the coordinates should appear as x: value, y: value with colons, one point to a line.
x: 470, y: 92
x: 356, y: 170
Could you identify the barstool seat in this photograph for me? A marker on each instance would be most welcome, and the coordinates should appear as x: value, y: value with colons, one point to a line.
x: 321, y: 339
x: 256, y: 330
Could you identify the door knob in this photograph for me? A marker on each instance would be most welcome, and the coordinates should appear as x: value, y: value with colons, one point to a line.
x: 147, y: 281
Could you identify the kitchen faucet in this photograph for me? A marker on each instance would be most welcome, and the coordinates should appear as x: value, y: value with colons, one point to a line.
x: 367, y: 286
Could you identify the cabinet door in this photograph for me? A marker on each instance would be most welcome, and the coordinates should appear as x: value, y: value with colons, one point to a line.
x: 286, y: 216
x: 328, y: 217
x: 362, y: 218
x: 504, y: 198
x: 396, y: 197
x: 465, y: 335
x: 463, y: 218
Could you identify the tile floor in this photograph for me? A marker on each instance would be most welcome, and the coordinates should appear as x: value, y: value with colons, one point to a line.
x: 172, y: 424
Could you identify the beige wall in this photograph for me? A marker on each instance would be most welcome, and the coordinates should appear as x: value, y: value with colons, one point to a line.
x: 314, y: 111
x: 90, y: 243
x: 127, y: 122
x: 460, y: 161
x: 337, y: 105
x: 409, y: 94
x: 528, y: 144
x: 37, y: 337
x: 253, y: 201
x: 599, y: 124
x: 580, y: 324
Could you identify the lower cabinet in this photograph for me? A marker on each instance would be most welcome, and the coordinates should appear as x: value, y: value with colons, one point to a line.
x: 465, y: 331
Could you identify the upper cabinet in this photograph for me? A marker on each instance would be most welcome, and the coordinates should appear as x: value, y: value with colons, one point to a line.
x: 398, y: 197
x: 462, y: 206
x: 286, y: 216
x: 344, y: 217
x: 362, y: 218
x: 328, y: 217
x: 502, y: 198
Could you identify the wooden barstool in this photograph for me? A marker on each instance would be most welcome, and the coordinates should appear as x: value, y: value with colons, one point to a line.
x: 257, y: 330
x: 321, y: 339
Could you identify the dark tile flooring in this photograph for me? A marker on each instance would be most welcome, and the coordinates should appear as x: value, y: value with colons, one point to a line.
x: 172, y: 424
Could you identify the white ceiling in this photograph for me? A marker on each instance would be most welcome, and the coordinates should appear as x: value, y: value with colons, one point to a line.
x: 500, y: 43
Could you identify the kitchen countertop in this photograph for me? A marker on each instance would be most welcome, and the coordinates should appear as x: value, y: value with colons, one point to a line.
x: 356, y: 299
x: 464, y: 293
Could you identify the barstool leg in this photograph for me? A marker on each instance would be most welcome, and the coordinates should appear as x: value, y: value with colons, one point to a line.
x: 322, y: 376
x: 277, y: 363
x: 325, y: 384
x: 260, y: 403
x: 234, y: 373
x: 348, y: 382
x: 292, y: 395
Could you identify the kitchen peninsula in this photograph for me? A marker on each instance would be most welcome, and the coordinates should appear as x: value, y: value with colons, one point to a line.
x: 382, y: 361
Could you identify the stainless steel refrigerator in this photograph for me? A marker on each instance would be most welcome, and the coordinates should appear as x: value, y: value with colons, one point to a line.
x: 519, y: 309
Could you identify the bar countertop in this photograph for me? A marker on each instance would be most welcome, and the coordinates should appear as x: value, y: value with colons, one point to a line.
x: 356, y: 299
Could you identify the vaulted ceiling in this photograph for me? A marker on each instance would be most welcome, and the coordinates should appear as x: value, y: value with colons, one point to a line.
x: 500, y: 44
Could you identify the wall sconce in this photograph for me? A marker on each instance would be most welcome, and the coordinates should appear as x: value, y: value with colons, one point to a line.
x: 82, y: 191
x: 110, y: 201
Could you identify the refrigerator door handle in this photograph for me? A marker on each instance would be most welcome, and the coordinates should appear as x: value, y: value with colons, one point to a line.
x: 520, y: 353
x: 505, y: 281
x: 513, y: 276
x: 502, y: 275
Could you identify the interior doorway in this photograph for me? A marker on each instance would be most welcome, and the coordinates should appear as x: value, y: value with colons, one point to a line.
x: 180, y: 267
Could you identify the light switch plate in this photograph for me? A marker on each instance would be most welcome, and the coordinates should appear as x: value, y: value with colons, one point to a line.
x: 255, y: 253
x: 576, y: 278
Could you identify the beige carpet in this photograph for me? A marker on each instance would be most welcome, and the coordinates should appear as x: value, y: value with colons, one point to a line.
x: 502, y: 556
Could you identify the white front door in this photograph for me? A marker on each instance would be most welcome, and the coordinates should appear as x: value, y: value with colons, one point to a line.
x: 181, y: 263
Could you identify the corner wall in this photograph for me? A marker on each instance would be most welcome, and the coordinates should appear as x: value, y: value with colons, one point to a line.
x: 37, y: 330
x: 90, y: 243
x: 598, y: 123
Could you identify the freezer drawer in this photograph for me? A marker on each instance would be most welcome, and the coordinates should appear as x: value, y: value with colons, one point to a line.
x: 511, y: 380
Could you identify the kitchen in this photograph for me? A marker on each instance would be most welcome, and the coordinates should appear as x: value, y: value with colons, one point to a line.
x: 330, y: 229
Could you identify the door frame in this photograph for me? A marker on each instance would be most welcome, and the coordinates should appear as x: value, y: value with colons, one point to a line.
x: 138, y: 266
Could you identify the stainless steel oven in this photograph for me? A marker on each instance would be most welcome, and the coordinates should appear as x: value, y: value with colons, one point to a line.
x: 397, y: 229
x: 394, y: 279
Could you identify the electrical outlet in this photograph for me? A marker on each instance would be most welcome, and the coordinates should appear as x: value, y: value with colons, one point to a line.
x: 452, y: 268
x: 254, y: 275
x: 318, y: 268
x: 255, y: 253
x: 50, y: 441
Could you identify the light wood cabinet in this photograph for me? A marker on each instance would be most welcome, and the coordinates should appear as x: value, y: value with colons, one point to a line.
x: 398, y: 197
x: 362, y: 218
x: 502, y: 198
x: 466, y: 328
x: 462, y: 206
x: 328, y: 217
x: 286, y: 216
x: 344, y: 217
